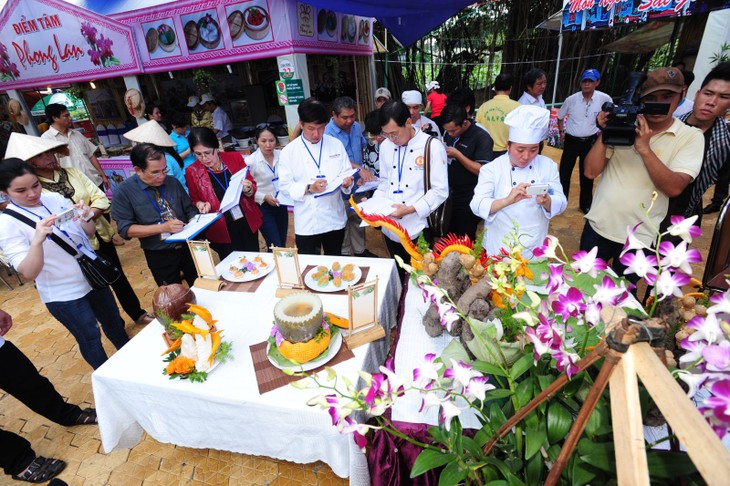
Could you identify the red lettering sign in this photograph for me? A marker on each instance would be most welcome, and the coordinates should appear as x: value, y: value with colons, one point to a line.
x: 68, y: 51
x: 659, y: 4
x: 28, y: 57
x: 578, y: 5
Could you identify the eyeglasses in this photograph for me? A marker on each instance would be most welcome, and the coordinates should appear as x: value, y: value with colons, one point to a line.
x: 205, y: 155
x: 156, y: 173
x: 392, y: 136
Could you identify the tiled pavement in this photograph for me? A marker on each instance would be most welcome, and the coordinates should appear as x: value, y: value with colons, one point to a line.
x: 54, y: 351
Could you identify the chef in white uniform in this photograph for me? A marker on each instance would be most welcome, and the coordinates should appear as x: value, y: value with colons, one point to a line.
x: 401, y: 163
x: 501, y: 196
x: 414, y: 101
x: 309, y: 167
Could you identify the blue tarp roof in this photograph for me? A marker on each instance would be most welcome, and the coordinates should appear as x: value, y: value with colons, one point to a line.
x: 407, y: 20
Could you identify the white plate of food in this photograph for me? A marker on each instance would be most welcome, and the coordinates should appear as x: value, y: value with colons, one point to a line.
x: 332, y: 278
x: 247, y: 268
x: 280, y: 362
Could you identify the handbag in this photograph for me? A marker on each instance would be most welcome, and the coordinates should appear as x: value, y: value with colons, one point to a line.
x: 440, y: 219
x: 99, y: 271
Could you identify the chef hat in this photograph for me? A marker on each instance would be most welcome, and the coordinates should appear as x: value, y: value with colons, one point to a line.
x: 528, y: 124
x: 412, y: 97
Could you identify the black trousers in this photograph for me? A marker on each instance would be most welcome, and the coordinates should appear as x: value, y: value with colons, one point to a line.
x: 122, y: 288
x: 577, y: 148
x: 166, y: 265
x: 396, y: 248
x: 722, y: 185
x: 463, y: 220
x: 23, y: 381
x: 608, y: 250
x: 330, y: 242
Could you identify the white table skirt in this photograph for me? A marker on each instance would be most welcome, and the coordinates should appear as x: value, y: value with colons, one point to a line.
x: 227, y: 412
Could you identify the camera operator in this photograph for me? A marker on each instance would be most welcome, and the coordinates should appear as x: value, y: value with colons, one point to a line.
x: 665, y: 157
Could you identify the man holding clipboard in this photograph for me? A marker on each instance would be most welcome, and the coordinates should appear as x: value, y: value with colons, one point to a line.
x: 151, y: 206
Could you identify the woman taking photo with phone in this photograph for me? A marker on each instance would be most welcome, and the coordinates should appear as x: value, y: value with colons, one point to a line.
x: 263, y: 165
x: 58, y: 277
x: 208, y: 179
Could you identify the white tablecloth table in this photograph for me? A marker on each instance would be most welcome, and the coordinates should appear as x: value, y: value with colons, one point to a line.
x: 227, y: 412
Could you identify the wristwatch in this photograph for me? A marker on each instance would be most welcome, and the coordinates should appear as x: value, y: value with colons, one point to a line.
x: 309, y: 189
x: 88, y: 218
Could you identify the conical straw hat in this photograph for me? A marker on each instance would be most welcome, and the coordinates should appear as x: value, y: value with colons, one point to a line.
x: 26, y: 146
x: 150, y: 132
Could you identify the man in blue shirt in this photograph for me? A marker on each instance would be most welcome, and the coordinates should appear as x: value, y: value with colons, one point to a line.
x: 343, y: 127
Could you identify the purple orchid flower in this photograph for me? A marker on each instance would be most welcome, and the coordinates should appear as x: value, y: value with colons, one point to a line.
x: 461, y: 373
x: 587, y: 262
x: 684, y: 228
x: 608, y: 293
x: 478, y: 388
x: 428, y: 373
x: 717, y: 356
x: 555, y: 279
x: 547, y: 249
x: 632, y: 242
x: 720, y: 401
x: 639, y: 263
x: 668, y: 283
x: 569, y: 305
x: 678, y: 256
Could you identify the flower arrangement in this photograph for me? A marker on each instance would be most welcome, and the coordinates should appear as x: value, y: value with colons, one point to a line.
x: 559, y: 324
x: 101, y: 53
x: 197, y: 348
x: 8, y: 70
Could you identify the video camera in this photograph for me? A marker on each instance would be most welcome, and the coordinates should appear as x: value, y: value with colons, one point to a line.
x: 621, y: 127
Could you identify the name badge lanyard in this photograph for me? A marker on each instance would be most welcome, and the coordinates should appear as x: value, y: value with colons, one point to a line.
x: 79, y: 246
x: 154, y: 203
x: 224, y: 185
x: 275, y: 179
x: 401, y: 164
x: 317, y: 162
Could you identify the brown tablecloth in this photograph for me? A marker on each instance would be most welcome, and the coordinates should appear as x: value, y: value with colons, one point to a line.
x: 270, y: 377
x: 243, y: 286
x: 365, y: 271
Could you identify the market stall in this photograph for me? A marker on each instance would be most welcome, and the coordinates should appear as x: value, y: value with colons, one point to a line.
x: 229, y: 411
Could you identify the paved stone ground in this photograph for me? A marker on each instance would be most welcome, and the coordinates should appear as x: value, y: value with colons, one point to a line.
x: 54, y: 351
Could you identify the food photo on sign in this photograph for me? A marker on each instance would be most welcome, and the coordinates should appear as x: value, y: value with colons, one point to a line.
x: 327, y: 25
x: 161, y: 39
x: 202, y: 31
x: 249, y: 23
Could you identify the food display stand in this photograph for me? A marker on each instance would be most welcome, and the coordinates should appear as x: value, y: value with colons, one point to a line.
x: 228, y: 411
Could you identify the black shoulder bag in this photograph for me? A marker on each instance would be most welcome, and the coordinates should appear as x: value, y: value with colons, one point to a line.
x: 440, y: 219
x: 99, y: 272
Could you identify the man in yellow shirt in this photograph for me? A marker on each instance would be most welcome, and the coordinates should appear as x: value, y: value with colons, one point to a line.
x: 492, y: 113
x: 665, y: 157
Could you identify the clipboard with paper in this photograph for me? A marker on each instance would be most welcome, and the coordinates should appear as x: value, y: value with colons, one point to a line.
x: 337, y: 183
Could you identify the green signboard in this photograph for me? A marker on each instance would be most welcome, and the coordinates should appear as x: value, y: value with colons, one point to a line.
x: 289, y: 91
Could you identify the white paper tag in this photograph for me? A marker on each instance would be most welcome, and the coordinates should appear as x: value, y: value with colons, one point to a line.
x: 236, y: 212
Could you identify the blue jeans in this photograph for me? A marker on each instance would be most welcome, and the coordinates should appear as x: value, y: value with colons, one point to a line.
x: 275, y: 225
x: 80, y: 317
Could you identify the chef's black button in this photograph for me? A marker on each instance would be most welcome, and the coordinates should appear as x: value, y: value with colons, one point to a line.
x: 530, y: 167
x: 411, y: 150
x: 514, y: 183
x: 410, y: 168
x: 513, y: 168
x: 532, y: 182
x: 391, y: 183
x: 406, y: 185
x: 394, y: 167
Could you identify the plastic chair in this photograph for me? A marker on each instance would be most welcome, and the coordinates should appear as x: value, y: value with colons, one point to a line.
x: 718, y: 258
x: 5, y: 264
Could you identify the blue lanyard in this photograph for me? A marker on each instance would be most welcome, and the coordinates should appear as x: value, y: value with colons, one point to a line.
x: 401, y: 164
x: 225, y: 177
x: 48, y: 237
x: 152, y: 200
x: 316, y: 162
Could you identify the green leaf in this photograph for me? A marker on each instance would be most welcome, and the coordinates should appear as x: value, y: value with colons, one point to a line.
x: 597, y: 420
x: 668, y: 465
x: 533, y: 470
x: 559, y: 421
x: 545, y: 381
x: 497, y: 415
x: 497, y: 394
x: 472, y: 447
x: 488, y: 368
x: 573, y: 385
x: 521, y: 366
x: 534, y: 439
x: 484, y: 434
x: 579, y: 473
x: 456, y: 351
x: 524, y: 392
x: 429, y: 459
x: 500, y: 482
x: 452, y: 474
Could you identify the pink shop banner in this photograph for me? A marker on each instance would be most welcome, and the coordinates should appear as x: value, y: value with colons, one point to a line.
x: 195, y: 33
x: 47, y: 42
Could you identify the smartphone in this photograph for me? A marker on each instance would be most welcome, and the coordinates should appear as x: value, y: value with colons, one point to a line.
x: 64, y: 216
x: 537, y: 189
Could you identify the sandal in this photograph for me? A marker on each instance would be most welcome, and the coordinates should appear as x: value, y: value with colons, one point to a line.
x: 41, y: 470
x: 144, y: 319
x: 87, y: 417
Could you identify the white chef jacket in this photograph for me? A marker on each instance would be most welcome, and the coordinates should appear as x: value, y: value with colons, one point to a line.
x: 266, y: 177
x: 298, y: 168
x: 411, y: 180
x: 496, y: 180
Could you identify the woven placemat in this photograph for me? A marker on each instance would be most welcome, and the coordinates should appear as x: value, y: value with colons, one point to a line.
x: 270, y: 377
x: 365, y: 271
x: 251, y: 286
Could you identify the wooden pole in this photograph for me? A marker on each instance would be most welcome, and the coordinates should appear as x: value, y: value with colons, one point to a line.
x: 703, y: 446
x: 628, y: 432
